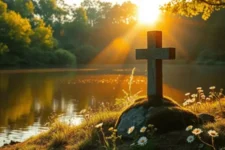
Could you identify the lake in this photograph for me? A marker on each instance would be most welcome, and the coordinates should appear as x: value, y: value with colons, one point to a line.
x: 29, y: 97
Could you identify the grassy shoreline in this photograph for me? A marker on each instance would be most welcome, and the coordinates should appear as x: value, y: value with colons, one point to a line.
x: 86, y: 136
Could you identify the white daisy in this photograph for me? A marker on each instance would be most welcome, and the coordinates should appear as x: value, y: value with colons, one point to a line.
x: 187, y: 94
x: 190, y: 139
x: 142, y: 141
x: 213, y: 133
x: 143, y: 129
x: 199, y: 88
x: 190, y: 127
x: 99, y: 125
x: 194, y: 95
x: 197, y: 131
x: 212, y: 87
x: 130, y: 130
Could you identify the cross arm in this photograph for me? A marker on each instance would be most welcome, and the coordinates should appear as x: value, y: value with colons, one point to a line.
x: 163, y: 53
x: 141, y: 54
x: 156, y: 53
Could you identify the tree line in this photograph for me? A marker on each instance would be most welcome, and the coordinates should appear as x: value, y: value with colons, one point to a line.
x: 52, y: 33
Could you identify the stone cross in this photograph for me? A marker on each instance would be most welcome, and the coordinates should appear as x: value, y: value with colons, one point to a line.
x: 154, y: 55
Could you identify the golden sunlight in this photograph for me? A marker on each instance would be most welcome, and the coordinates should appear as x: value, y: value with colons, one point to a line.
x: 148, y: 11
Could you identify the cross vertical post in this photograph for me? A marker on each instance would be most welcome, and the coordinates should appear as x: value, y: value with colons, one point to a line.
x: 154, y: 88
x: 154, y: 55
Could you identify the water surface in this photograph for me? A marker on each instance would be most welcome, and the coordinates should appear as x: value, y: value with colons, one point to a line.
x: 29, y: 97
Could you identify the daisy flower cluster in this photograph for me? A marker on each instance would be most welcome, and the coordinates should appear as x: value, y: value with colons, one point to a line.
x: 200, y: 96
x: 143, y: 140
x: 196, y: 132
x: 108, y: 141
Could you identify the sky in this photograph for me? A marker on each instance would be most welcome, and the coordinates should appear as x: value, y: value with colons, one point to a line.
x: 148, y: 10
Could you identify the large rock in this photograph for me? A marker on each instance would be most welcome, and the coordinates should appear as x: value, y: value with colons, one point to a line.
x: 168, y: 117
x: 206, y: 118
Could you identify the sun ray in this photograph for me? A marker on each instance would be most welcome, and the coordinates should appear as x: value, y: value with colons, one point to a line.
x: 118, y: 50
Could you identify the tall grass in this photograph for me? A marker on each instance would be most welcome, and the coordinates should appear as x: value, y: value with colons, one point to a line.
x: 128, y: 98
x: 199, y: 102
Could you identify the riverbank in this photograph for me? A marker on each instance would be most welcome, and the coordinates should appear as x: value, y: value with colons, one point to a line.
x: 89, y: 135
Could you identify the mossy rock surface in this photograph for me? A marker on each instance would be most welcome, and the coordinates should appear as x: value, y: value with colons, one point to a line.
x: 168, y: 117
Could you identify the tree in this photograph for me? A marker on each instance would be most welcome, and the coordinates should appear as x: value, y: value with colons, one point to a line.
x: 42, y: 36
x: 75, y: 33
x: 24, y: 7
x: 14, y: 30
x: 192, y: 8
x: 50, y: 10
x: 3, y: 7
x: 3, y: 48
x: 91, y: 7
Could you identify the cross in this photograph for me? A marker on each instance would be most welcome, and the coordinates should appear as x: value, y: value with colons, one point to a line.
x: 154, y: 55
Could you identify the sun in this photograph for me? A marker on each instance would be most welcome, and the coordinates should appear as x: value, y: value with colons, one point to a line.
x: 148, y: 11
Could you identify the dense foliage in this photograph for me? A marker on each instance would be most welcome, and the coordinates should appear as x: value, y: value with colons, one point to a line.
x: 192, y: 8
x: 52, y: 33
x: 49, y: 32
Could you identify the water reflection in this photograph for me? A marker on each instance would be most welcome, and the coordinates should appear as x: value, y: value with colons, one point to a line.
x: 27, y: 99
x: 26, y: 103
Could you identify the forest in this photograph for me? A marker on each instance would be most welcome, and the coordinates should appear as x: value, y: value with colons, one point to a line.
x: 51, y: 33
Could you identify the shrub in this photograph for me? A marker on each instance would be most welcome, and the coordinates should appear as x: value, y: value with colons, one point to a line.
x: 85, y: 53
x: 64, y: 57
x: 9, y: 60
x: 37, y: 57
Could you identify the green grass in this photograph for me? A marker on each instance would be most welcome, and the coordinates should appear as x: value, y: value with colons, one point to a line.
x: 63, y: 136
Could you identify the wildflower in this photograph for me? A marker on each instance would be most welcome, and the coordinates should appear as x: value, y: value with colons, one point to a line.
x: 99, y: 125
x: 83, y: 111
x: 200, y: 91
x: 192, y: 100
x: 190, y: 127
x: 210, y: 96
x: 190, y: 139
x: 189, y: 101
x: 199, y: 88
x: 194, y: 95
x: 203, y: 96
x: 187, y: 94
x: 120, y: 136
x: 150, y: 125
x: 111, y: 129
x: 199, y: 103
x: 142, y: 141
x: 208, y: 99
x: 185, y: 103
x: 197, y: 131
x: 143, y: 129
x: 87, y: 116
x: 130, y: 130
x: 213, y: 133
x: 212, y: 88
